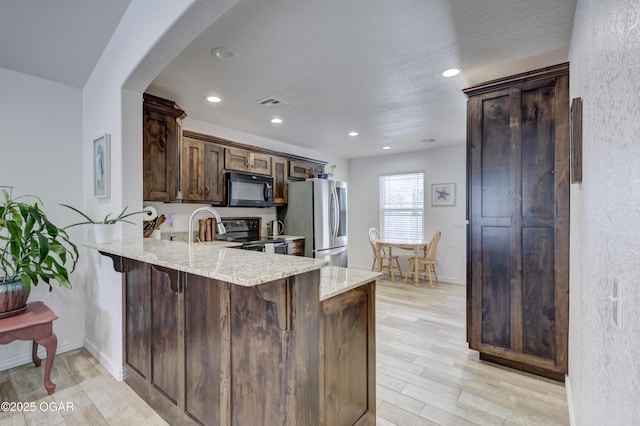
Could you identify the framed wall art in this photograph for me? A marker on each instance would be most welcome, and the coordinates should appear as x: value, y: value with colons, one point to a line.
x: 576, y: 140
x: 443, y: 194
x: 102, y: 166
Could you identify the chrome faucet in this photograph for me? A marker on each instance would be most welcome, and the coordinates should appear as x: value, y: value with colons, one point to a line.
x: 220, y: 229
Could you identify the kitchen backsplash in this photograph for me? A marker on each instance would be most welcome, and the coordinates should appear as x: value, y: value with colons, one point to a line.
x: 178, y: 214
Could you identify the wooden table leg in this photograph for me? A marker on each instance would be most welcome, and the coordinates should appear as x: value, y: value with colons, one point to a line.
x: 416, y: 253
x: 50, y: 343
x: 34, y: 354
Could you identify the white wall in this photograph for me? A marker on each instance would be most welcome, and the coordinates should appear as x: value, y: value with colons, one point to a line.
x: 443, y: 165
x: 604, y: 361
x: 40, y: 154
x: 148, y: 37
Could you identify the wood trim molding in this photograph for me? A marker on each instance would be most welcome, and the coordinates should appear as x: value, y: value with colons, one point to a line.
x: 232, y: 144
x: 541, y: 73
x: 164, y: 106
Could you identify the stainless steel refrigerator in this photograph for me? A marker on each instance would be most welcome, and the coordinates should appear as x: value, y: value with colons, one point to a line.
x: 317, y: 210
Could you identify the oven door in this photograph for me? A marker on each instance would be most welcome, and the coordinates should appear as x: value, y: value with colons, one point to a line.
x: 278, y: 248
x: 246, y: 190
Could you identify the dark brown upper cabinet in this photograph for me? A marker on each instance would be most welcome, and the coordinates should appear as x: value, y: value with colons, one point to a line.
x: 280, y: 173
x: 203, y: 171
x: 243, y: 160
x: 161, y: 146
x: 301, y: 170
x: 187, y: 166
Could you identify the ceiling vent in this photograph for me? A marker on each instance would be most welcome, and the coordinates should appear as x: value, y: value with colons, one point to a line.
x: 271, y: 101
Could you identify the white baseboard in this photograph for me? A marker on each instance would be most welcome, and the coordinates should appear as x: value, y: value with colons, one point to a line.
x: 116, y: 371
x: 567, y: 387
x: 19, y: 360
x: 450, y: 280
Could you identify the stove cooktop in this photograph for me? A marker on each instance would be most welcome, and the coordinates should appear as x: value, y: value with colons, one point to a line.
x: 246, y: 231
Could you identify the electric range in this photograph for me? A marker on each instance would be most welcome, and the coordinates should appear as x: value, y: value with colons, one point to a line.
x: 247, y: 232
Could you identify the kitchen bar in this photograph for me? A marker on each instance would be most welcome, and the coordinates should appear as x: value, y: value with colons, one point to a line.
x: 216, y: 335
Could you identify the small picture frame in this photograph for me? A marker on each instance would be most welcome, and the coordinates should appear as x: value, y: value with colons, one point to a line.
x: 102, y: 166
x: 443, y: 194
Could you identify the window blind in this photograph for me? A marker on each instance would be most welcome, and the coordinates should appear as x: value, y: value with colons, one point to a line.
x: 402, y: 207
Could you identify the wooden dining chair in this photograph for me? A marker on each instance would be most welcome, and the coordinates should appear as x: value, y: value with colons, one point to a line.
x: 383, y: 256
x: 374, y: 236
x: 427, y: 262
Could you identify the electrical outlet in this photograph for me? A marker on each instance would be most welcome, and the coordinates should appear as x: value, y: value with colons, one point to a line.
x: 616, y: 300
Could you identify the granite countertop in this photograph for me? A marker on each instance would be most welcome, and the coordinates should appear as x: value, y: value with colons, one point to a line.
x: 335, y: 280
x: 213, y: 259
x: 289, y: 237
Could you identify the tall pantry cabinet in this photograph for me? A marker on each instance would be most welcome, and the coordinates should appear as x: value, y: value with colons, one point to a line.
x: 518, y: 211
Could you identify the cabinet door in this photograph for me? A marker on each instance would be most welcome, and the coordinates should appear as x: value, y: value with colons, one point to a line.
x: 161, y: 148
x: 138, y: 317
x: 193, y: 171
x: 347, y: 358
x: 260, y: 163
x: 160, y: 156
x: 518, y: 211
x: 243, y: 160
x: 299, y: 170
x: 316, y: 169
x: 236, y: 159
x: 280, y: 175
x: 167, y: 327
x: 213, y: 173
x: 207, y: 351
x: 303, y: 170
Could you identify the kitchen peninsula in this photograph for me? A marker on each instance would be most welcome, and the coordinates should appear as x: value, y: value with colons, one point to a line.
x: 219, y: 336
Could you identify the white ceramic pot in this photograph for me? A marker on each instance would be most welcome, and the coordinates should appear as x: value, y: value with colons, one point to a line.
x: 103, y: 233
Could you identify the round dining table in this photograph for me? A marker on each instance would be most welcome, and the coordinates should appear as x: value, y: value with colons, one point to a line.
x: 414, y: 246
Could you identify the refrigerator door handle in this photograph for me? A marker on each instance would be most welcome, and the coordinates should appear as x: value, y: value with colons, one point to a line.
x: 330, y: 252
x: 336, y: 212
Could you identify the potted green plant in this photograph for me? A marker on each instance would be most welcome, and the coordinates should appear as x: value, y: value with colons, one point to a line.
x: 32, y: 249
x: 103, y: 228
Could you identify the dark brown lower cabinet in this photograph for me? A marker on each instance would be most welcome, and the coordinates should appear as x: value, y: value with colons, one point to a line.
x: 518, y: 211
x: 203, y: 351
x: 206, y: 365
x: 348, y: 358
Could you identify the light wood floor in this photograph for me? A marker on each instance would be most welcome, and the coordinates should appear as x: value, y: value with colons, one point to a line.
x: 425, y: 375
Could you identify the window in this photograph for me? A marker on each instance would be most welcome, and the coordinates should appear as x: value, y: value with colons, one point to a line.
x: 402, y: 207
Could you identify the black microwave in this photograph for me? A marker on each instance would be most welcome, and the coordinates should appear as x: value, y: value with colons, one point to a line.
x: 247, y: 190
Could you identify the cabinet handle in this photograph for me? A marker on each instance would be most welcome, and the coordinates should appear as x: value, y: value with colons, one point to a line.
x: 206, y: 189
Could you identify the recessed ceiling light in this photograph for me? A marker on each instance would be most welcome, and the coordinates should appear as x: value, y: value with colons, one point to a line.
x: 276, y: 120
x: 224, y: 53
x: 353, y: 133
x: 214, y: 99
x: 386, y: 147
x: 451, y: 72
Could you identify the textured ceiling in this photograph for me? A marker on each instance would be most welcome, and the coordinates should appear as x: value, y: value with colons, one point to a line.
x: 372, y: 66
